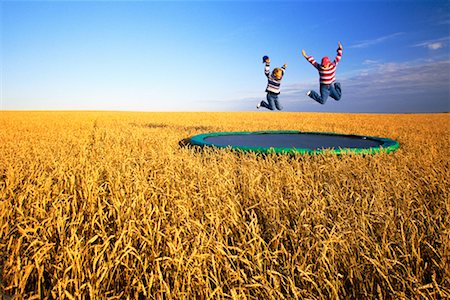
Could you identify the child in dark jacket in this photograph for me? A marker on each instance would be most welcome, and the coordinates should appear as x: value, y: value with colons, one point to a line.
x: 273, y: 86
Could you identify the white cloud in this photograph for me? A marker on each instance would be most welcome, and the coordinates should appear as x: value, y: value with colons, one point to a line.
x: 413, y: 75
x: 367, y: 43
x: 434, y: 44
x: 370, y: 62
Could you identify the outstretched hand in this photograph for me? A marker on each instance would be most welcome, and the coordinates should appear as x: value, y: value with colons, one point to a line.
x: 340, y: 45
x: 304, y: 53
x: 284, y: 66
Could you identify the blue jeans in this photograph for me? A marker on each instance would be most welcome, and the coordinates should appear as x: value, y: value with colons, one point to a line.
x: 333, y: 90
x: 272, y: 102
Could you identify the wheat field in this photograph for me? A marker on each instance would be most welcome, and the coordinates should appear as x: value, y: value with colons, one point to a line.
x: 111, y: 205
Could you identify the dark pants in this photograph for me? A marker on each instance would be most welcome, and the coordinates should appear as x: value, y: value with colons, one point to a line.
x: 333, y: 90
x: 272, y: 102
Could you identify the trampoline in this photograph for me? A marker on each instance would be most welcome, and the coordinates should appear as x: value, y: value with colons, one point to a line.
x: 295, y: 142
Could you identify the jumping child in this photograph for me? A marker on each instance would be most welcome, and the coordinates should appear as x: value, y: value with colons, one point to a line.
x: 273, y: 86
x: 327, y: 73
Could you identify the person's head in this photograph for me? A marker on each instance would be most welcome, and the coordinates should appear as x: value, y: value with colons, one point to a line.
x: 325, y: 62
x: 277, y: 73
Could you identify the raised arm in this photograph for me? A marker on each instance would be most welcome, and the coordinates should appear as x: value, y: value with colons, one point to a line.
x: 267, y: 67
x: 310, y: 59
x: 283, y: 69
x: 339, y: 53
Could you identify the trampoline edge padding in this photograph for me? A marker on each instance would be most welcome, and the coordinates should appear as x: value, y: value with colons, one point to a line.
x: 293, y: 142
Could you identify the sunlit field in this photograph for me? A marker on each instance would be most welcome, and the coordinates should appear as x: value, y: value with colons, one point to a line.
x: 112, y: 205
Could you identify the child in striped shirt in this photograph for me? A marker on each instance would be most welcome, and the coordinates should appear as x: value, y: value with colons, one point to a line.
x: 327, y: 72
x: 273, y: 86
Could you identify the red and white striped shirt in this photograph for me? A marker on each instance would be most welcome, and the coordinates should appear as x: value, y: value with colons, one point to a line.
x: 327, y: 75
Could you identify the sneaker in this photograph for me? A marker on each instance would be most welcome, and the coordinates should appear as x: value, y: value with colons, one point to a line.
x: 308, y: 93
x: 258, y: 105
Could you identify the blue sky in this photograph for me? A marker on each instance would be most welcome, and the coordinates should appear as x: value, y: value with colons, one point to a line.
x: 206, y: 55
